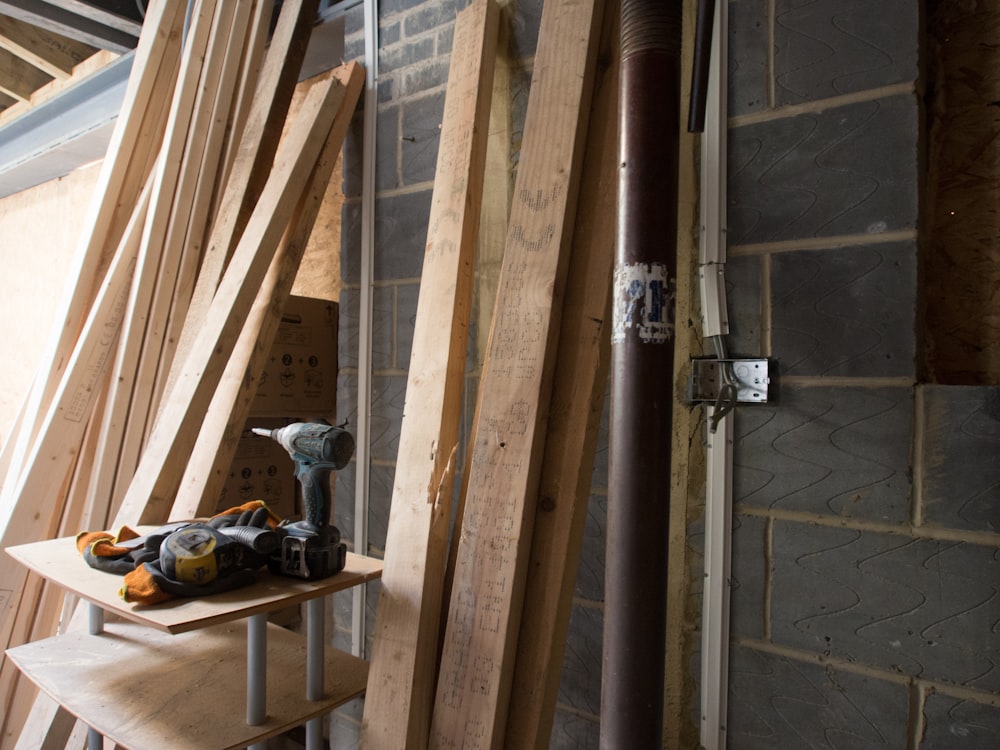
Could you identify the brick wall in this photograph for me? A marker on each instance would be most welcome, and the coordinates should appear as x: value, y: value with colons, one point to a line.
x: 866, y: 548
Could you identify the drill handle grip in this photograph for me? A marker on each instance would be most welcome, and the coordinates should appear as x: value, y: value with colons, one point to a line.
x: 315, y: 482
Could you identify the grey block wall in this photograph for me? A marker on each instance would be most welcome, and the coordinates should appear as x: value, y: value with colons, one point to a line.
x: 866, y: 557
x: 415, y: 42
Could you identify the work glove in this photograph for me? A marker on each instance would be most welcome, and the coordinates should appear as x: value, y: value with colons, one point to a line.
x: 242, y: 538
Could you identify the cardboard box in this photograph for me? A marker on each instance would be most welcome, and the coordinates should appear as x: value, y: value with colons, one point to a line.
x: 300, y: 380
x: 262, y: 470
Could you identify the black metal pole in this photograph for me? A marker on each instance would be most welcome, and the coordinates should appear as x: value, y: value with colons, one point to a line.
x: 642, y: 376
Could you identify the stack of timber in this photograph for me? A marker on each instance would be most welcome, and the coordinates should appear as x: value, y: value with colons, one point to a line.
x: 469, y: 640
x: 207, y: 196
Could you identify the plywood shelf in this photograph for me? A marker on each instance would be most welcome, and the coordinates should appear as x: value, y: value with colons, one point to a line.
x: 145, y: 688
x: 58, y: 561
x: 176, y: 674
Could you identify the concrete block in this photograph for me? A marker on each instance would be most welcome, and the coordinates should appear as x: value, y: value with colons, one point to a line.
x: 840, y: 451
x: 955, y: 723
x: 743, y: 303
x: 845, y: 170
x: 748, y: 55
x: 590, y: 570
x: 347, y: 332
x: 775, y: 702
x: 848, y: 312
x: 407, y: 297
x: 827, y: 48
x: 961, y: 443
x: 383, y: 327
x: 388, y: 392
x: 422, y: 77
x: 398, y: 56
x: 749, y: 576
x: 526, y: 17
x: 919, y: 607
x: 400, y: 237
x: 426, y: 16
x: 421, y: 129
x: 580, y: 684
x: 343, y: 502
x: 573, y: 732
x: 380, y: 483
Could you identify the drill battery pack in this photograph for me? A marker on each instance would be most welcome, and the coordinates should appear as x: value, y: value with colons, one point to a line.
x: 309, y: 554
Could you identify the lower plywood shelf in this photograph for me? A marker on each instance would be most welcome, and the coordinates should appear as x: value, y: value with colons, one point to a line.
x: 146, y: 689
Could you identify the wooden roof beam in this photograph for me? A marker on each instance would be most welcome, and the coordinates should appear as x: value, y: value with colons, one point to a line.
x: 53, y: 53
x: 61, y: 21
x: 18, y: 78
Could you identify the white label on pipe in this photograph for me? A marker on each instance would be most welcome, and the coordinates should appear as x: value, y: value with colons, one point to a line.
x: 644, y: 298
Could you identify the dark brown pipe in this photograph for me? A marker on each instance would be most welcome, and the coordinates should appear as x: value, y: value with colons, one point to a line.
x: 642, y: 376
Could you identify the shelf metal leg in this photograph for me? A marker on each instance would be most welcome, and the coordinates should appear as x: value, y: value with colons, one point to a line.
x: 95, y: 626
x: 257, y: 673
x: 314, y: 668
x: 95, y: 619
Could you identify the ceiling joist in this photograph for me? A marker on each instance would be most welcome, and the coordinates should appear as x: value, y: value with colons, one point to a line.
x: 56, y: 55
x: 92, y: 29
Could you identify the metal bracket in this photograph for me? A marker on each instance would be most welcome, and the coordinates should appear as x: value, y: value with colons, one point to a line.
x: 709, y: 377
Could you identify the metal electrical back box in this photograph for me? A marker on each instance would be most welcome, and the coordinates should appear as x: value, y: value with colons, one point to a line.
x: 300, y: 379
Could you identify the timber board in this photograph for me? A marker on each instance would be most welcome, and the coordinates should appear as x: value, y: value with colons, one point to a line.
x: 59, y: 561
x: 146, y: 689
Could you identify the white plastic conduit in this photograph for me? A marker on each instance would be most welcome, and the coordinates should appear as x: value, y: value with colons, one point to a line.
x: 718, y: 494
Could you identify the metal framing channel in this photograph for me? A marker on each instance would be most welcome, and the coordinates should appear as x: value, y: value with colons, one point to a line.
x: 719, y: 458
x: 363, y: 427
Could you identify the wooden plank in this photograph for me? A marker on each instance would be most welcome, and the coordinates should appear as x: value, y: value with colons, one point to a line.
x: 54, y: 54
x: 41, y: 608
x: 60, y: 436
x: 19, y: 78
x: 151, y: 493
x: 221, y: 428
x: 206, y: 134
x: 574, y: 419
x: 136, y: 136
x: 398, y: 704
x: 253, y: 159
x: 162, y: 252
x: 251, y: 66
x: 480, y: 642
x: 182, y: 680
x: 58, y: 560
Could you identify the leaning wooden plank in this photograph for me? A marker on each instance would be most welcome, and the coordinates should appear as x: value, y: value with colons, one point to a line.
x: 480, y: 641
x: 41, y: 608
x: 146, y: 319
x: 401, y: 680
x: 205, y: 137
x: 152, y: 491
x: 574, y: 418
x: 136, y: 135
x: 61, y: 433
x: 251, y: 64
x: 205, y: 473
x: 257, y: 145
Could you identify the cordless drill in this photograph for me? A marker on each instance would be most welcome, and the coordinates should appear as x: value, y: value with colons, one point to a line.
x: 311, y: 548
